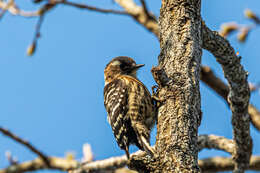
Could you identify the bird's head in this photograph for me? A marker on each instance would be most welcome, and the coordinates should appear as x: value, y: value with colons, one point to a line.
x: 121, y: 65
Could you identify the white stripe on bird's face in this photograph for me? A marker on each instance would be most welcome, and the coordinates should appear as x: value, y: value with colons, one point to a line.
x: 115, y: 63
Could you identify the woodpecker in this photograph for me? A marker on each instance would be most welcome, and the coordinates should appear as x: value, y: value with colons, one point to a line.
x: 130, y: 108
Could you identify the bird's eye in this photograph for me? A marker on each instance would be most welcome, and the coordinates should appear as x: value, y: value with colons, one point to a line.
x: 123, y: 66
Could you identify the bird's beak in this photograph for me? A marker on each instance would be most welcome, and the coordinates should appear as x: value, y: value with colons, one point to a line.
x: 137, y: 66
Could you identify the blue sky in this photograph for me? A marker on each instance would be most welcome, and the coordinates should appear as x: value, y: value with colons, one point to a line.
x: 54, y: 99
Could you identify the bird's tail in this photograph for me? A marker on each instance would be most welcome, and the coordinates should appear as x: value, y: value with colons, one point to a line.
x: 126, y: 148
x: 143, y: 137
x: 146, y: 146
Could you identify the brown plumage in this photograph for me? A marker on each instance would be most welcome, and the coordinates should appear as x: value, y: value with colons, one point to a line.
x: 129, y: 105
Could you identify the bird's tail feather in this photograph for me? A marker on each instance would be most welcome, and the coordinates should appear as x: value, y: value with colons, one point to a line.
x: 146, y: 146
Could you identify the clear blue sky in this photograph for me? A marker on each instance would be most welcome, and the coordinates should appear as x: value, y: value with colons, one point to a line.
x: 55, y: 98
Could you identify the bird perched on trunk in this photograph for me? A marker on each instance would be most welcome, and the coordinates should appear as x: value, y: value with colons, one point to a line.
x: 131, y: 112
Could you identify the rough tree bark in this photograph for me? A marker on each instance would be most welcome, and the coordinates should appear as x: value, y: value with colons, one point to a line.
x: 180, y: 57
x: 178, y: 77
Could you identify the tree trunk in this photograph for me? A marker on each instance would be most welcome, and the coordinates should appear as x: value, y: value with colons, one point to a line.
x: 177, y: 76
x: 179, y: 116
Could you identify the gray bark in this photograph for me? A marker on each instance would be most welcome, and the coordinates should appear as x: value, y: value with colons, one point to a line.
x: 178, y: 77
x: 238, y: 96
x: 180, y: 57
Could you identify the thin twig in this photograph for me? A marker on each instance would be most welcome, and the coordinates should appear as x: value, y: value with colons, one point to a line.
x: 12, y: 160
x: 254, y: 87
x: 14, y: 10
x: 139, y: 15
x: 91, y: 8
x: 38, y: 28
x: 31, y: 49
x: 145, y: 7
x: 26, y: 144
x: 5, y: 7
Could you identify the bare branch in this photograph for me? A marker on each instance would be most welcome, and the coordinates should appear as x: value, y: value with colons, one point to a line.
x: 31, y: 49
x: 145, y: 7
x: 254, y: 116
x: 238, y: 96
x: 139, y: 14
x: 254, y: 87
x: 91, y: 8
x: 26, y: 144
x: 251, y: 15
x: 206, y: 165
x: 39, y: 164
x: 38, y: 27
x: 14, y: 10
x: 88, y: 155
x: 12, y: 160
x: 216, y: 142
x: 217, y: 164
x: 215, y: 83
x: 106, y: 164
x: 5, y: 7
x: 204, y: 141
x: 112, y: 163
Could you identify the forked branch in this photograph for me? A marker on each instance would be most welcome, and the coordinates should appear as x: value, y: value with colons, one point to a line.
x: 26, y: 144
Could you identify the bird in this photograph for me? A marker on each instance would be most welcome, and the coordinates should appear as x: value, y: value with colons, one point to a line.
x: 129, y: 105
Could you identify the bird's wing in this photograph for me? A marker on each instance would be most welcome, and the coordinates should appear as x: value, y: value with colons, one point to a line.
x: 115, y: 101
